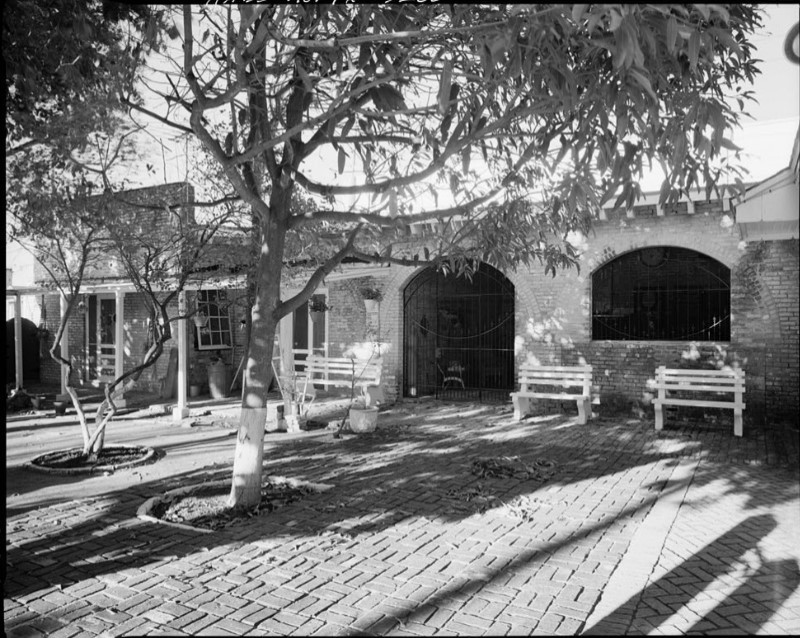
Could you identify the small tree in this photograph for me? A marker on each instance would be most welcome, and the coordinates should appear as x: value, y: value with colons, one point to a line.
x: 73, y: 242
x: 502, y: 105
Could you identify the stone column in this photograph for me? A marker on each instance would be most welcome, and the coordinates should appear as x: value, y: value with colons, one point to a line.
x: 119, y: 343
x: 18, y: 339
x: 181, y: 410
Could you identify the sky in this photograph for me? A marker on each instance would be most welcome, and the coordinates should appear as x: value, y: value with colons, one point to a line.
x: 768, y: 138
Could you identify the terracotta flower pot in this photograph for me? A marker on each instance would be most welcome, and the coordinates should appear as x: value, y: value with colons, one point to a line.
x: 363, y: 419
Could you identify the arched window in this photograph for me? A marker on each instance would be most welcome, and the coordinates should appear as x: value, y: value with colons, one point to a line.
x: 662, y: 293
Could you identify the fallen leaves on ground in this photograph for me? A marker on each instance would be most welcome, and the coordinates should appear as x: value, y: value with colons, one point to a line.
x: 513, y: 467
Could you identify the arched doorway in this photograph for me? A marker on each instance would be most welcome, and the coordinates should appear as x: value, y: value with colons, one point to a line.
x: 30, y: 351
x: 459, y: 335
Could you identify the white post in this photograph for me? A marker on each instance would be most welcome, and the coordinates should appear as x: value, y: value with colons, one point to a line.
x: 119, y: 343
x: 18, y: 339
x: 64, y: 352
x: 181, y: 410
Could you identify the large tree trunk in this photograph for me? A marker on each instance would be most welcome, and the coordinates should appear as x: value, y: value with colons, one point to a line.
x: 248, y: 459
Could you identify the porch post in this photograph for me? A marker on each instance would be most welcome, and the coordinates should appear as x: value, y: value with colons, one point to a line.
x: 119, y: 343
x: 18, y: 339
x: 181, y: 410
x: 63, y: 372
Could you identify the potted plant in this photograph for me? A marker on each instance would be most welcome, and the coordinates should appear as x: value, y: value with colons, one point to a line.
x: 294, y: 410
x: 195, y: 380
x: 362, y: 418
x: 372, y: 297
x: 317, y: 307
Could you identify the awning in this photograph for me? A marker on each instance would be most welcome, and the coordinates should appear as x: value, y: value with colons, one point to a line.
x: 769, y: 210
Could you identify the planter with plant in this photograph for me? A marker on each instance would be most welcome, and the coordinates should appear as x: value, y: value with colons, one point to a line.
x: 317, y: 308
x: 372, y: 297
x: 196, y: 379
x: 362, y: 418
x: 295, y: 409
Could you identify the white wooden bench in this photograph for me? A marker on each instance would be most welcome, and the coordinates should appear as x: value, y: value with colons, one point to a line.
x: 566, y: 377
x: 729, y: 382
x: 340, y: 372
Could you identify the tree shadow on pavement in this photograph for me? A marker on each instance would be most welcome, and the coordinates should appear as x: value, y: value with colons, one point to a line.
x: 607, y: 474
x: 685, y: 600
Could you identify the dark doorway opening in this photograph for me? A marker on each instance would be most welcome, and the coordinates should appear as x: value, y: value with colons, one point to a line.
x: 459, y: 336
x: 30, y: 351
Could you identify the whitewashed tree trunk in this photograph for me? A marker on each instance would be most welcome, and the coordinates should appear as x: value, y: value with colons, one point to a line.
x: 248, y: 458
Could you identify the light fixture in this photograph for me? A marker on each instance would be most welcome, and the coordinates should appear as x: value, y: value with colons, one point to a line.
x: 200, y: 319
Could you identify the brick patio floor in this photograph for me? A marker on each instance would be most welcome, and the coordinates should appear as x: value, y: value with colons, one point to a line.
x: 689, y: 530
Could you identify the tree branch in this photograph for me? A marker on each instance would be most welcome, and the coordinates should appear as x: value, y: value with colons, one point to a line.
x: 314, y: 281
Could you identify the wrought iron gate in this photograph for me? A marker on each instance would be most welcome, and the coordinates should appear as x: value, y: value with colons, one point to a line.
x: 459, y: 335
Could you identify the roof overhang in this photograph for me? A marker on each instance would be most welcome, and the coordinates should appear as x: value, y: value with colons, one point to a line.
x: 769, y: 210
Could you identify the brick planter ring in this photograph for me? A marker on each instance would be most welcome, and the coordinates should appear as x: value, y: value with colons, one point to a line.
x: 40, y: 462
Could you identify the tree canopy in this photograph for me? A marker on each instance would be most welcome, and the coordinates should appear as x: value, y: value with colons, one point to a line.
x: 566, y: 105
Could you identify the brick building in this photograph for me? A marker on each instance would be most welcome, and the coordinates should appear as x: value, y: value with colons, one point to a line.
x: 698, y: 283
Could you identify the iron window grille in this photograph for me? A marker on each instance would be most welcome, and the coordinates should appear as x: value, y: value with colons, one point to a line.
x: 216, y: 333
x: 663, y: 294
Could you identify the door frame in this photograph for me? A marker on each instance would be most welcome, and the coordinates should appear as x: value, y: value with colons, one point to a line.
x: 99, y: 377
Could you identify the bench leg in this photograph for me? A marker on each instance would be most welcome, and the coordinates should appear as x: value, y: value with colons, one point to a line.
x: 521, y: 407
x: 583, y: 407
x: 737, y: 422
x: 659, y: 417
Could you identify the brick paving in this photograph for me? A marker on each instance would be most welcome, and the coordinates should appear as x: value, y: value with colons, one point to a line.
x: 689, y: 530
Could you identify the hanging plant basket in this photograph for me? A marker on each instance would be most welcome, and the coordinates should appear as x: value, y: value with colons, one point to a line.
x: 317, y: 315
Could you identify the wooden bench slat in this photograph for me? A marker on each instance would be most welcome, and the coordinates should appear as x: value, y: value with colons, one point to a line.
x: 537, y: 368
x: 547, y: 395
x: 701, y: 403
x: 675, y: 387
x: 726, y: 378
x: 551, y: 381
x: 732, y: 372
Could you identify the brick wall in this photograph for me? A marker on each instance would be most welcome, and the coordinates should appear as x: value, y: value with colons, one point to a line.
x: 157, y: 222
x: 553, y: 315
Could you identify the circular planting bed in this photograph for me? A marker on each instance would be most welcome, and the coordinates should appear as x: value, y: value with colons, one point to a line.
x: 205, y: 507
x: 112, y: 457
